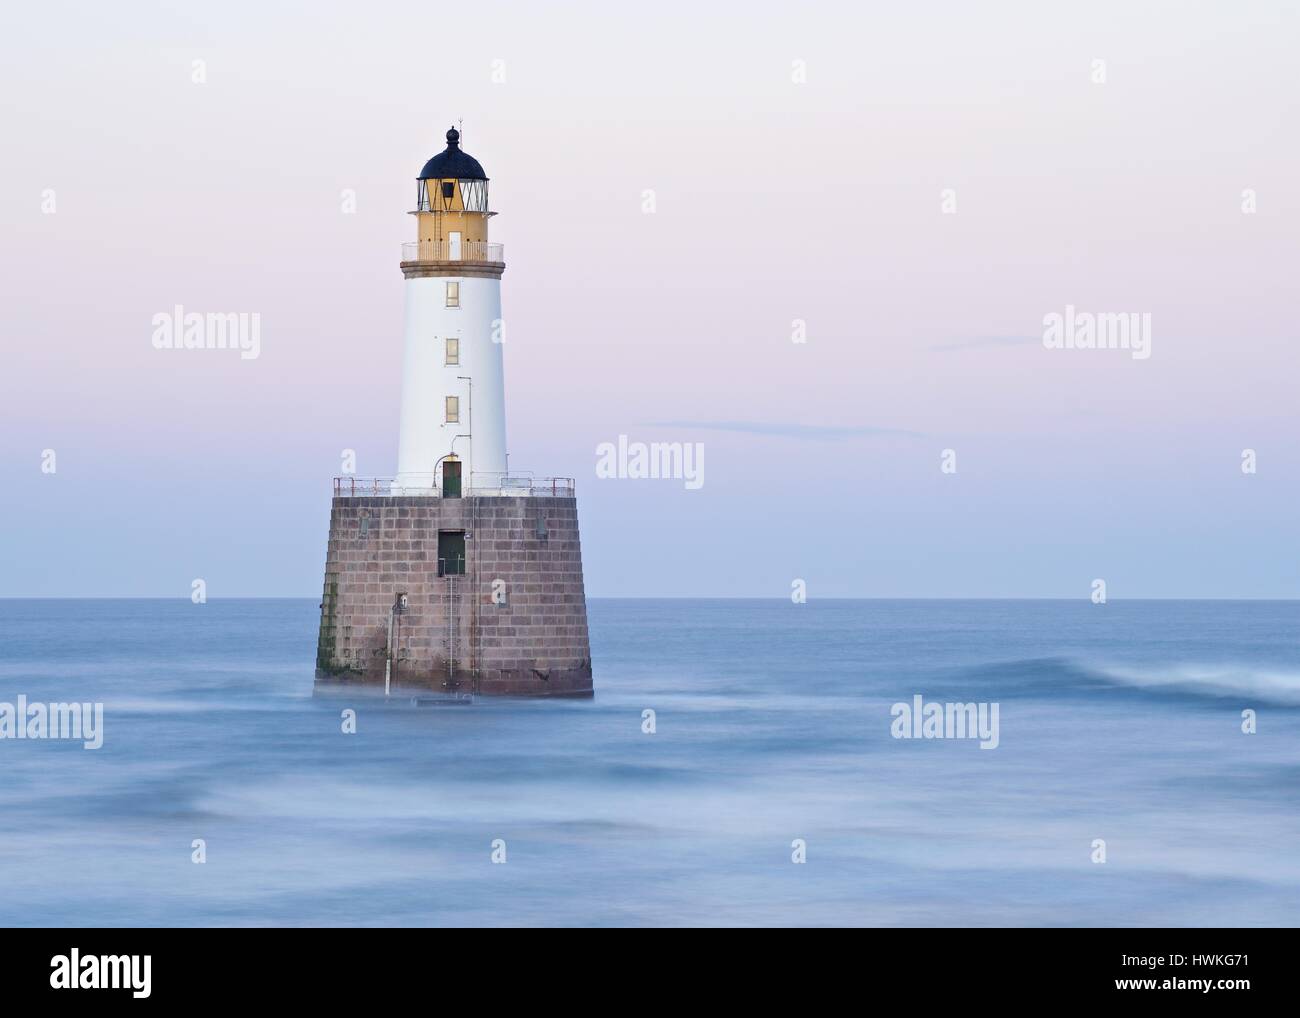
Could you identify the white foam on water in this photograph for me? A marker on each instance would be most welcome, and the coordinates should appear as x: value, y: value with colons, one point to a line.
x: 1263, y: 684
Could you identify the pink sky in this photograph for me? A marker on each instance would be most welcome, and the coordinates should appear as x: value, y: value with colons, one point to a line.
x: 775, y: 201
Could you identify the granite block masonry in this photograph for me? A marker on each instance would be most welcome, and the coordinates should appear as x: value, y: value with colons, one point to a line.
x: 513, y: 623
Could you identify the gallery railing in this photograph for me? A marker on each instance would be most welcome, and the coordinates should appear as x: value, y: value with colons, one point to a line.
x: 448, y: 251
x: 427, y: 484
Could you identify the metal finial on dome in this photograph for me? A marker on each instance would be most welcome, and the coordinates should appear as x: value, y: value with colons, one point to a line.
x: 453, y: 138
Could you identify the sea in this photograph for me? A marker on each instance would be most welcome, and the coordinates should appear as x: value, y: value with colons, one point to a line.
x: 743, y: 762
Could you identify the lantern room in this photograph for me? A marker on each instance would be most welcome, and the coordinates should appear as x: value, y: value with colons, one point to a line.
x: 452, y: 205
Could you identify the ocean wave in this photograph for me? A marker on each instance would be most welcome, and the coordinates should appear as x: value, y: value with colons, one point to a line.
x: 1185, y: 680
x: 1281, y: 688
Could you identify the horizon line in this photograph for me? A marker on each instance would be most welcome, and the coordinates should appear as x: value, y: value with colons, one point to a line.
x: 656, y: 597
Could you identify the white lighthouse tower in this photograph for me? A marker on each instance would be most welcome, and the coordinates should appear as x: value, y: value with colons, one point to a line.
x: 452, y: 437
x: 453, y: 577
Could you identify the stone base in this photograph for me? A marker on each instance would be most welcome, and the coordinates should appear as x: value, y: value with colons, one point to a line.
x: 513, y: 624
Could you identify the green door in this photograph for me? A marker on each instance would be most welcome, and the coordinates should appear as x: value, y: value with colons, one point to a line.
x: 451, y: 553
x: 451, y: 479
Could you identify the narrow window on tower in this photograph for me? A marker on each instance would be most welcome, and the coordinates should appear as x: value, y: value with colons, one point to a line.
x: 453, y: 351
x: 453, y: 295
x: 453, y: 409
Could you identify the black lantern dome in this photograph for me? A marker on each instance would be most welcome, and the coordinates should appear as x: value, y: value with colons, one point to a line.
x: 452, y: 163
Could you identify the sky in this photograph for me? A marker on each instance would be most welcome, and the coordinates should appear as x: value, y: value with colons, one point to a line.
x: 678, y: 187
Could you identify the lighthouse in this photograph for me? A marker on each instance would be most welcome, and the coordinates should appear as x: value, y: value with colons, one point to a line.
x: 452, y: 432
x: 460, y: 575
